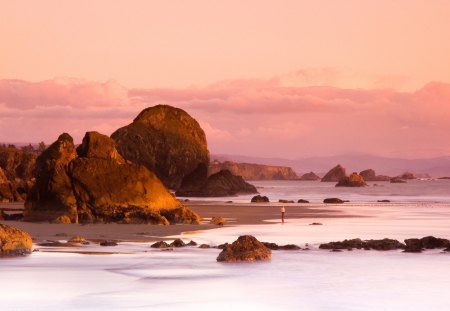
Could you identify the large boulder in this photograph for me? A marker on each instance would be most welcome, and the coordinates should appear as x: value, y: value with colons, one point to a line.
x: 52, y: 197
x: 167, y: 141
x: 354, y: 180
x: 335, y: 174
x: 245, y: 249
x: 311, y: 176
x: 221, y: 184
x: 14, y: 242
x: 100, y: 186
x: 369, y: 175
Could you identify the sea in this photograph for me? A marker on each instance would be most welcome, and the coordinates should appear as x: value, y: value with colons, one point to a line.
x: 138, y: 277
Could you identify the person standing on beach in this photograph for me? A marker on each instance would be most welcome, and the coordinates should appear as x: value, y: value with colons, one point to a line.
x: 283, y: 210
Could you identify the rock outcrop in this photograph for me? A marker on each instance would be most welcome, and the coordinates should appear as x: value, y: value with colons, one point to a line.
x: 335, y: 174
x: 380, y: 245
x: 369, y: 175
x: 260, y: 199
x: 250, y: 171
x: 354, y: 180
x: 245, y: 249
x: 408, y: 175
x: 311, y: 176
x: 167, y: 141
x: 220, y: 184
x: 14, y: 242
x: 95, y: 184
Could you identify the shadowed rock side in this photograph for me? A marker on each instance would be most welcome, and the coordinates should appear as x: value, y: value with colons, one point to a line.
x: 98, y: 185
x: 354, y: 180
x: 14, y: 242
x: 250, y: 171
x: 309, y: 176
x: 17, y: 166
x: 221, y: 184
x: 335, y: 174
x: 167, y: 141
x: 369, y: 175
x: 245, y: 249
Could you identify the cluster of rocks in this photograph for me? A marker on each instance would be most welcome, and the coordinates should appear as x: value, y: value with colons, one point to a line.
x: 175, y: 243
x: 410, y: 245
x: 263, y: 199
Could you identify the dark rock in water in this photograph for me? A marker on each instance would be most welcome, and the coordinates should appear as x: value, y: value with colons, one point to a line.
x: 204, y: 246
x: 354, y: 180
x: 336, y: 250
x: 14, y: 242
x: 222, y: 246
x: 272, y: 246
x: 166, y: 140
x: 383, y: 201
x: 108, y: 243
x: 245, y: 249
x: 335, y: 174
x: 408, y: 175
x: 192, y: 243
x: 383, y: 244
x: 333, y: 201
x: 220, y: 184
x: 160, y: 244
x: 285, y: 201
x: 431, y: 242
x: 353, y: 243
x: 444, y: 177
x: 397, y: 180
x: 302, y: 201
x: 290, y: 247
x: 369, y: 175
x: 413, y: 246
x: 311, y: 176
x: 275, y: 247
x: 178, y: 243
x: 316, y: 224
x: 260, y: 199
x: 99, y: 186
x: 58, y: 244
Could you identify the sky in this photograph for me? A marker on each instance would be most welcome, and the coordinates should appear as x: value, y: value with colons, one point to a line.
x: 263, y: 78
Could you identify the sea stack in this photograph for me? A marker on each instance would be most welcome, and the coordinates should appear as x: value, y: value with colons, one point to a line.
x: 335, y: 174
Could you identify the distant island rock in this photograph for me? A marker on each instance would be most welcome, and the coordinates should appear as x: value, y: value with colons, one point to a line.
x: 93, y: 183
x: 309, y: 176
x: 397, y: 180
x: 166, y: 140
x: 408, y: 175
x: 250, y: 171
x: 354, y: 180
x: 335, y: 174
x: 369, y: 175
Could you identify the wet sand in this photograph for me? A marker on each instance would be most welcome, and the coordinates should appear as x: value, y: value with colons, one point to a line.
x: 234, y: 213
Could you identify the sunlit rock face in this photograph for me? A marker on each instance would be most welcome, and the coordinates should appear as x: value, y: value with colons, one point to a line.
x: 14, y: 242
x: 167, y: 141
x: 245, y: 249
x: 95, y: 184
x: 354, y: 180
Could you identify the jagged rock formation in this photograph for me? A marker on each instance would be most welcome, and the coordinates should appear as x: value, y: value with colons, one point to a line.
x: 17, y: 166
x: 369, y: 175
x: 167, y: 141
x: 354, y: 180
x: 14, y: 242
x: 309, y: 176
x: 245, y: 249
x: 220, y: 184
x: 335, y: 174
x: 95, y: 184
x: 250, y: 171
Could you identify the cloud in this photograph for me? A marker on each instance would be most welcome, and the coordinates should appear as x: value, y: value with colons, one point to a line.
x: 272, y: 117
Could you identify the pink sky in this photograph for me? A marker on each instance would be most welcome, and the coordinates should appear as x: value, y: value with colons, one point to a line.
x: 267, y: 78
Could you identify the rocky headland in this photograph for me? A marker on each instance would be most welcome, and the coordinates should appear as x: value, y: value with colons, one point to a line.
x: 250, y: 171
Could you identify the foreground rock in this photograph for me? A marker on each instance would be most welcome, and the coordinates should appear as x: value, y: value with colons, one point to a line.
x: 335, y: 174
x: 245, y: 249
x: 369, y: 175
x: 167, y: 141
x: 95, y: 184
x: 311, y: 176
x: 250, y: 171
x: 260, y: 199
x: 221, y: 184
x: 14, y: 242
x: 354, y: 180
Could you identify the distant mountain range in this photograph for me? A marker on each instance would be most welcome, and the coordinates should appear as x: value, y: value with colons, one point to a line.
x: 435, y: 167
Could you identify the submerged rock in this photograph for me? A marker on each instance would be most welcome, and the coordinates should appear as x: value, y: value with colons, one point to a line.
x: 160, y: 244
x: 302, y: 201
x: 108, y: 243
x: 333, y: 201
x: 245, y: 249
x: 14, y: 242
x: 275, y: 247
x: 381, y: 245
x: 260, y: 199
x: 335, y: 174
x: 285, y: 201
x: 354, y: 180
